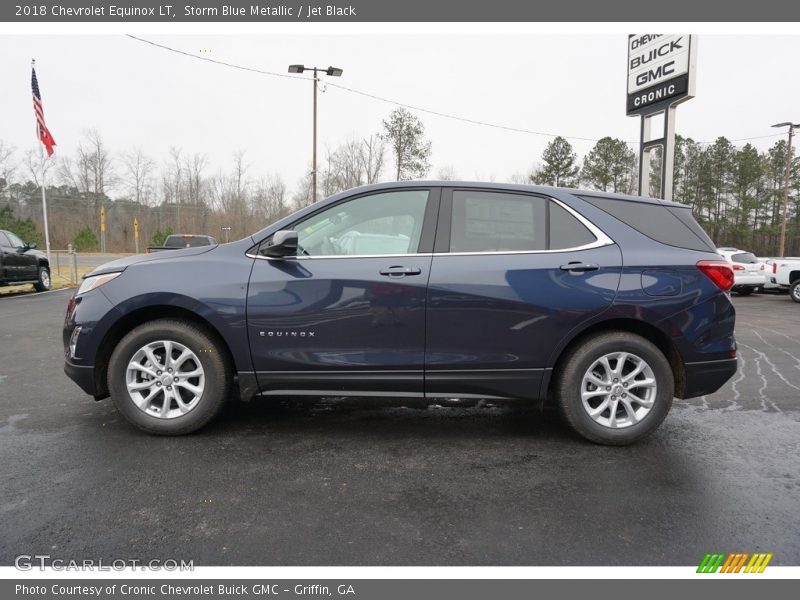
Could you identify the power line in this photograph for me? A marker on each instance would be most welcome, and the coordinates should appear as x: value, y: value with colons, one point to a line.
x: 405, y: 105
x: 364, y: 94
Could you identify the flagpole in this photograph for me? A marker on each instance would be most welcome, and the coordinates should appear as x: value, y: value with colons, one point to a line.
x: 44, y: 195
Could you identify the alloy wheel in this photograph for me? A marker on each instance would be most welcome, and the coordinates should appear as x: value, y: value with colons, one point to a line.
x: 165, y: 379
x: 618, y: 390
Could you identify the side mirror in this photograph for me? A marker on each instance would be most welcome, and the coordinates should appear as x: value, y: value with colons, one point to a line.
x: 284, y: 243
x: 31, y: 245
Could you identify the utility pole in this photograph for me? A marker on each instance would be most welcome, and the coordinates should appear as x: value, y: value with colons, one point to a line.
x: 787, y: 176
x: 332, y: 72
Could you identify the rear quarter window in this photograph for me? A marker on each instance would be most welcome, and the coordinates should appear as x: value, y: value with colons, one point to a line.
x: 670, y: 225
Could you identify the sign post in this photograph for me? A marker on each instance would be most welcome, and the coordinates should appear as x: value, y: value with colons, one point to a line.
x: 661, y: 72
x: 102, y: 229
x: 136, y: 234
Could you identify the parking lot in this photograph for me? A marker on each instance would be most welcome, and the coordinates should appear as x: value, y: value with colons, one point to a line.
x: 345, y: 483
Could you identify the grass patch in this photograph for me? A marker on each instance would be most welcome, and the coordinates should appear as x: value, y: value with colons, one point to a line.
x: 58, y: 281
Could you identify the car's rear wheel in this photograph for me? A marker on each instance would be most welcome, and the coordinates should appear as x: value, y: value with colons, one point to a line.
x: 614, y: 388
x: 794, y: 291
x: 43, y: 283
x: 169, y: 377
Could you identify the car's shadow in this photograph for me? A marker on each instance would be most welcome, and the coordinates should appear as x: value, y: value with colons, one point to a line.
x: 375, y: 417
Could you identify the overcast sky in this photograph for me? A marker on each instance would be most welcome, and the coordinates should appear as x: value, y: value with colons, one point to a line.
x: 138, y: 95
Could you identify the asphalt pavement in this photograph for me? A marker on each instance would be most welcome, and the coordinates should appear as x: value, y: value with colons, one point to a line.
x: 362, y: 482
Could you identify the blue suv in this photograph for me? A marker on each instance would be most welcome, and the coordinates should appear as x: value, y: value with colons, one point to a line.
x: 606, y: 305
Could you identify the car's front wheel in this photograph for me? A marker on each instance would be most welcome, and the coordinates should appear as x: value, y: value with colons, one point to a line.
x: 43, y: 282
x: 614, y: 388
x: 169, y: 377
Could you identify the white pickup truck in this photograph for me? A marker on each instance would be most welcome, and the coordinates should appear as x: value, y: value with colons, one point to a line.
x: 786, y: 273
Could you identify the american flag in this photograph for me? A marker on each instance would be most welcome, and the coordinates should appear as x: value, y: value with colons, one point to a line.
x: 44, y: 133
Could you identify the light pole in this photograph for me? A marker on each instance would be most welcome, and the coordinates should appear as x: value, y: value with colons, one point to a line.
x: 786, y: 177
x: 331, y: 72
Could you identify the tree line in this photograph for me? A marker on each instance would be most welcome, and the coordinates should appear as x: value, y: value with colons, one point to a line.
x: 736, y: 193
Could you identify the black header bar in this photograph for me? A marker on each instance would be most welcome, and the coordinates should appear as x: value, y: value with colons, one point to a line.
x: 132, y: 11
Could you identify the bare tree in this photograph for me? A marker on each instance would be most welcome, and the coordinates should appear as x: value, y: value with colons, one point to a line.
x: 268, y: 200
x: 447, y: 173
x: 373, y: 152
x: 138, y: 171
x: 96, y: 160
x: 172, y: 177
x: 194, y: 167
x: 7, y: 165
x: 37, y: 164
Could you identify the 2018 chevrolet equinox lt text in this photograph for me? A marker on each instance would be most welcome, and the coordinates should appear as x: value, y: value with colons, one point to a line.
x: 607, y: 305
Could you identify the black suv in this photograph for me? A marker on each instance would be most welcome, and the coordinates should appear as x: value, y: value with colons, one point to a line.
x: 20, y: 263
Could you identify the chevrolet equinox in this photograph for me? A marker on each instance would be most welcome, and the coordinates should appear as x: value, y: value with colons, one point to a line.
x: 606, y: 305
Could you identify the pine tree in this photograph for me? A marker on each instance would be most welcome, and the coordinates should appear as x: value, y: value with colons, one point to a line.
x: 609, y: 165
x: 559, y: 168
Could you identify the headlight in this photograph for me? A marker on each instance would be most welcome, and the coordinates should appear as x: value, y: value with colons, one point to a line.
x: 94, y: 282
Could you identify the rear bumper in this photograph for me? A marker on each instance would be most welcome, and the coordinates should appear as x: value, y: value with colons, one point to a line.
x: 83, y: 375
x: 707, y: 377
x: 748, y: 280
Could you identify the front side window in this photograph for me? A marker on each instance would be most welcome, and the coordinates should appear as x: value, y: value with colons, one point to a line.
x: 379, y: 224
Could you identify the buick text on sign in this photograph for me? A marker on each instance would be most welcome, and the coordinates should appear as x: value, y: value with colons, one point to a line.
x: 654, y: 59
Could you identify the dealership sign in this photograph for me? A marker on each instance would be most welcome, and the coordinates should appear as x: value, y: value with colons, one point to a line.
x: 660, y: 70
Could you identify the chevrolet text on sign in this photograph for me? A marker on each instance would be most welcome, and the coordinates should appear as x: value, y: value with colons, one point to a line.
x: 659, y: 68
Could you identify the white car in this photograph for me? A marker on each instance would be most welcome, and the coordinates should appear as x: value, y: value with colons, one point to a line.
x: 769, y: 277
x: 786, y: 272
x: 749, y: 273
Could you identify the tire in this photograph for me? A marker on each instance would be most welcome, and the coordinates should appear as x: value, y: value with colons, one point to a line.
x: 187, y: 410
x: 624, y: 428
x: 794, y: 291
x: 43, y: 282
x: 744, y: 291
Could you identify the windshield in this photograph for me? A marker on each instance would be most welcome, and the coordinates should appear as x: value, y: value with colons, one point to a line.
x: 747, y: 258
x: 15, y: 241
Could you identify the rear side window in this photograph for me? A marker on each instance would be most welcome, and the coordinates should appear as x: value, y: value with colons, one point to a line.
x: 669, y: 225
x: 492, y: 222
x: 744, y: 257
x: 498, y: 222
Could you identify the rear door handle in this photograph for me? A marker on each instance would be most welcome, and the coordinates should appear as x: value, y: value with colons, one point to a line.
x: 398, y: 271
x: 579, y: 267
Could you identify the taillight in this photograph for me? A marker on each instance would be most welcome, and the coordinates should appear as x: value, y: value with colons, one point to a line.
x: 774, y: 268
x: 719, y: 272
x: 762, y: 266
x: 738, y: 268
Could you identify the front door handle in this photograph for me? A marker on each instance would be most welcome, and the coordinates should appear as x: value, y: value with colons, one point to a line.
x: 579, y: 267
x: 398, y: 271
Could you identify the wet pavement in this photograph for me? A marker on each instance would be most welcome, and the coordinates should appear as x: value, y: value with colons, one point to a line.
x: 363, y: 483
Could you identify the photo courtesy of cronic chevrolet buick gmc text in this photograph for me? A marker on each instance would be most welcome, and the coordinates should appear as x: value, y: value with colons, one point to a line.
x: 606, y: 305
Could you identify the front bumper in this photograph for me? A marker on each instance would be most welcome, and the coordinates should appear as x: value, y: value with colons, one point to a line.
x: 83, y: 375
x: 708, y: 376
